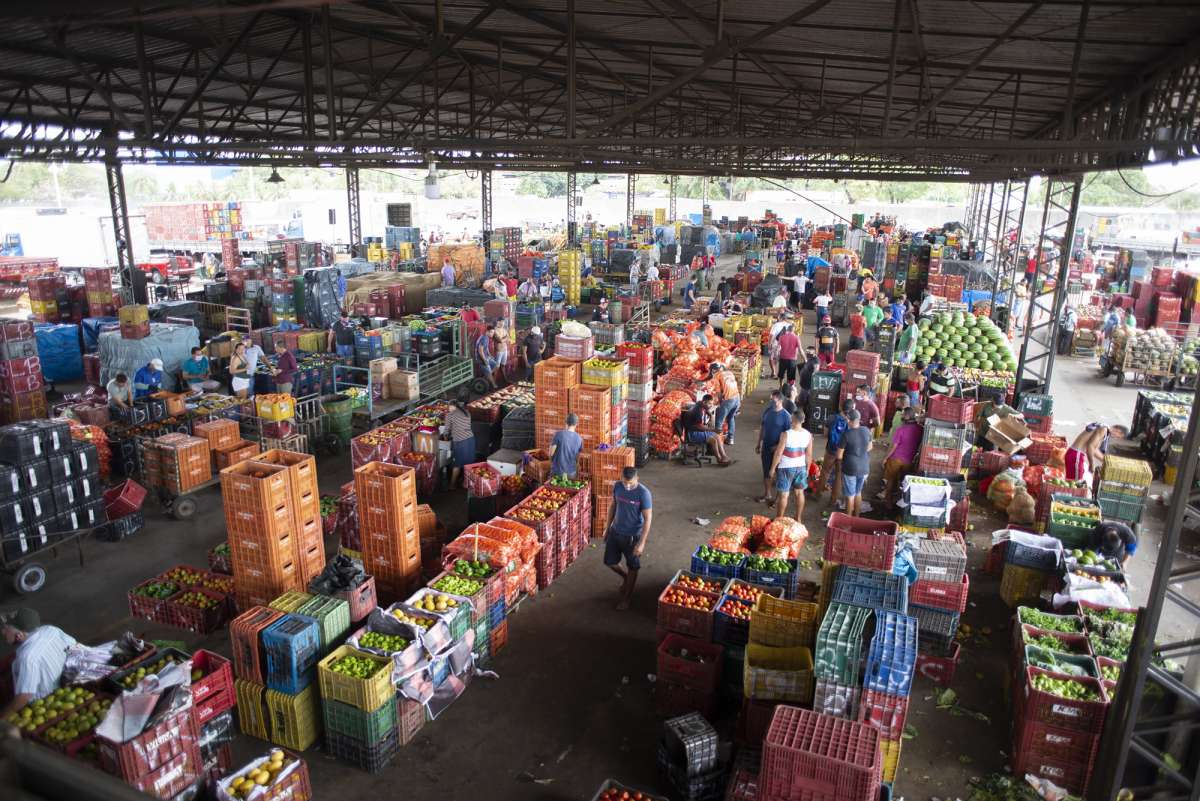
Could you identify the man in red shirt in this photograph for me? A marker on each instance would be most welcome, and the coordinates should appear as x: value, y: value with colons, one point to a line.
x: 789, y: 349
x: 858, y: 329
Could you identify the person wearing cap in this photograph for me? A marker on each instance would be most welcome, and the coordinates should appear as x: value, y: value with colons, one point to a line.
x: 148, y: 380
x: 565, y: 448
x: 341, y: 336
x: 532, y: 348
x: 40, y: 658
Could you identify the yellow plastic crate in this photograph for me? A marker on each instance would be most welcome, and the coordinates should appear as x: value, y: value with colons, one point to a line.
x: 133, y: 314
x: 783, y: 624
x: 761, y: 321
x: 312, y: 342
x: 276, y: 407
x: 253, y: 715
x: 890, y: 750
x: 367, y: 694
x: 295, y: 719
x: 605, y: 372
x: 291, y: 601
x: 1170, y: 474
x: 1021, y: 585
x: 735, y: 323
x: 1126, y: 471
x: 778, y: 674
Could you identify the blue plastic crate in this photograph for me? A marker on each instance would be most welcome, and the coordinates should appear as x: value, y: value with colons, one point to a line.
x: 293, y: 647
x: 729, y: 630
x: 892, y: 656
x: 789, y: 582
x: 872, y: 589
x: 496, y: 614
x: 703, y: 568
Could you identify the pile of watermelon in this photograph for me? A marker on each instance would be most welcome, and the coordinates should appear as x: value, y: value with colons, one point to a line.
x: 964, y: 340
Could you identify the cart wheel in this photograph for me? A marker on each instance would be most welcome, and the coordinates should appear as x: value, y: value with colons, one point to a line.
x: 1120, y: 378
x: 29, y: 578
x: 1106, y: 368
x: 183, y: 508
x: 330, y: 444
x: 479, y: 386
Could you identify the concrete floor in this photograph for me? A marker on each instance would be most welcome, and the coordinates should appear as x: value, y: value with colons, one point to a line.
x: 573, y: 703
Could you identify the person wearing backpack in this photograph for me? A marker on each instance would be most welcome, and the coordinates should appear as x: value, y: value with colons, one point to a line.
x: 830, y: 468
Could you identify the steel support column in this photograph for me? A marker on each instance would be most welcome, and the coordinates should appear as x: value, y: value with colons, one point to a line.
x: 572, y: 209
x: 1006, y: 263
x: 1059, y: 211
x: 991, y: 218
x: 485, y: 197
x: 355, y: 215
x: 969, y: 210
x: 630, y: 197
x: 674, y: 183
x: 120, y: 221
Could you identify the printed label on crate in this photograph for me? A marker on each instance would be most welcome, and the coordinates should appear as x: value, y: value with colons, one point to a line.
x: 1058, y: 739
x: 1059, y: 709
x: 170, y: 776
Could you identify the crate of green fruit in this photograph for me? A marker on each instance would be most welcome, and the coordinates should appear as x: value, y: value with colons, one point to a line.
x: 783, y: 574
x: 127, y: 678
x: 1068, y: 702
x: 1060, y: 663
x: 482, y: 571
x: 197, y: 609
x: 147, y: 600
x: 74, y: 729
x: 1061, y: 641
x: 332, y: 616
x: 399, y: 642
x: 1071, y: 624
x: 456, y: 610
x: 708, y: 561
x: 474, y: 588
x: 356, y: 678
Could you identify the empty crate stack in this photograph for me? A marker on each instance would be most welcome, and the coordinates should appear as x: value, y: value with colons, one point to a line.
x: 949, y: 433
x: 639, y: 396
x: 606, y: 466
x: 261, y: 528
x: 97, y: 283
x: 777, y: 660
x: 225, y: 443
x: 49, y: 486
x: 553, y: 380
x: 306, y: 509
x: 937, y: 600
x: 22, y: 386
x: 570, y: 267
x: 688, y: 758
x: 603, y: 384
x: 819, y: 757
x: 387, y: 520
x: 177, y: 463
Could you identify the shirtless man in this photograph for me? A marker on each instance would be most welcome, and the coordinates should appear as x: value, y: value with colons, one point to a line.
x: 1086, y: 453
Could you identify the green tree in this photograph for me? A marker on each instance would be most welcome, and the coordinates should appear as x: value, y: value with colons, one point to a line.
x: 543, y: 184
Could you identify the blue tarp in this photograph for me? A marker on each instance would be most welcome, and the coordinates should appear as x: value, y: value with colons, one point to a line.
x: 814, y: 262
x: 58, y: 349
x: 90, y: 330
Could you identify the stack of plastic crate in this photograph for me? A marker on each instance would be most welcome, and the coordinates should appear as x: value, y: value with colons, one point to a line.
x: 639, y: 393
x: 261, y: 530
x: 360, y: 708
x: 553, y: 380
x: 688, y: 758
x: 778, y: 659
x: 689, y: 665
x: 819, y: 757
x: 570, y: 266
x: 387, y: 520
x: 887, y: 683
x: 839, y: 658
x: 937, y: 599
x: 22, y: 385
x: 306, y: 508
x: 606, y: 465
x: 1123, y: 487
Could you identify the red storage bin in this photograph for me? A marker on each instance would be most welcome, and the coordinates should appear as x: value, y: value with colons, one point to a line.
x: 124, y: 499
x: 860, y: 542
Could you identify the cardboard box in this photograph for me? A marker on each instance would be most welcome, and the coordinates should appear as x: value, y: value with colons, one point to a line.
x: 402, y: 385
x: 1009, y: 434
x: 506, y: 462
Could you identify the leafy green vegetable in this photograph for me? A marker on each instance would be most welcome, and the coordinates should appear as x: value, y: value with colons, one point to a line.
x: 1049, y: 622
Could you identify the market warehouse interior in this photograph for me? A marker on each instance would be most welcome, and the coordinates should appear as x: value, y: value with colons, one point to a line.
x: 650, y: 401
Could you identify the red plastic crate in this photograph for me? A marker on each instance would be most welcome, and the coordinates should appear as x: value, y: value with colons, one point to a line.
x: 948, y: 595
x: 699, y: 675
x: 195, y: 619
x: 171, y: 737
x: 636, y: 355
x: 690, y: 622
x: 862, y: 361
x: 124, y: 499
x: 960, y: 516
x: 939, y: 669
x: 950, y: 410
x: 884, y: 712
x: 939, y: 461
x: 1043, y: 447
x: 854, y: 541
x: 245, y: 640
x: 1071, y: 774
x: 672, y: 699
x: 810, y: 755
x: 1084, y: 716
x: 1068, y: 745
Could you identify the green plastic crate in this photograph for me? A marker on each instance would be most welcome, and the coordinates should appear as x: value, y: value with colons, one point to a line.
x: 332, y: 616
x: 482, y: 635
x: 366, y: 727
x: 1042, y: 657
x: 1120, y: 506
x: 839, y: 651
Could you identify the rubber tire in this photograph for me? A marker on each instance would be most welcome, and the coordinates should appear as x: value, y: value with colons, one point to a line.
x: 1108, y: 369
x: 156, y: 277
x: 29, y: 578
x: 479, y: 386
x: 1121, y: 378
x: 330, y: 444
x: 183, y: 508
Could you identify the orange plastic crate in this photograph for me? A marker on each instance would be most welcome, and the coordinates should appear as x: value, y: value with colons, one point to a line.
x: 385, y: 485
x: 555, y: 372
x: 302, y: 470
x: 219, y: 433
x: 592, y: 401
x: 229, y: 455
x: 255, y: 486
x: 607, y: 465
x: 245, y: 639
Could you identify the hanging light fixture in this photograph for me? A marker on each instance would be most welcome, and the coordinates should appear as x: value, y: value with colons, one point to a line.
x: 595, y: 181
x: 666, y: 181
x: 433, y: 189
x: 274, y: 177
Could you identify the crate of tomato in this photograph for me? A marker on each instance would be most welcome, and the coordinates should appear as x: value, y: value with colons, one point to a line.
x: 482, y: 480
x: 685, y: 608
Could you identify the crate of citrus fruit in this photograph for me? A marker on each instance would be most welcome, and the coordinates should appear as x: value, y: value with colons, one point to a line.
x: 279, y: 776
x: 353, y: 677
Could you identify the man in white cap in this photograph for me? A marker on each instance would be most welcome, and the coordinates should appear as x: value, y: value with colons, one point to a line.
x: 41, y: 656
x: 148, y: 380
x: 532, y: 348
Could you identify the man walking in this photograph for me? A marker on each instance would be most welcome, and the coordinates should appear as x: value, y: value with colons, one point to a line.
x: 730, y: 398
x: 625, y: 535
x: 775, y: 420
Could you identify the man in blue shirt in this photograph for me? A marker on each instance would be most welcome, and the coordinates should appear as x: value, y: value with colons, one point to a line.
x: 148, y: 380
x: 628, y: 527
x: 564, y: 449
x: 897, y: 311
x: 775, y: 420
x: 195, y: 370
x: 831, y: 468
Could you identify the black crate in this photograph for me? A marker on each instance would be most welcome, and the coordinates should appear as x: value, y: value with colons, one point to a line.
x: 371, y: 758
x: 87, y: 459
x: 12, y: 516
x: 62, y: 467
x: 65, y: 496
x: 691, y: 744
x: 122, y: 527
x: 56, y: 435
x: 705, y: 787
x: 10, y: 483
x: 88, y: 488
x: 21, y: 443
x: 92, y: 513
x: 35, y: 476
x: 39, y: 507
x: 21, y: 543
x: 70, y: 520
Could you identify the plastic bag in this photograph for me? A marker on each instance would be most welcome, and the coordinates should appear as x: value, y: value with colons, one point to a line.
x: 1021, y: 508
x: 772, y: 552
x: 784, y: 532
x: 758, y: 523
x: 341, y: 574
x: 727, y: 541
